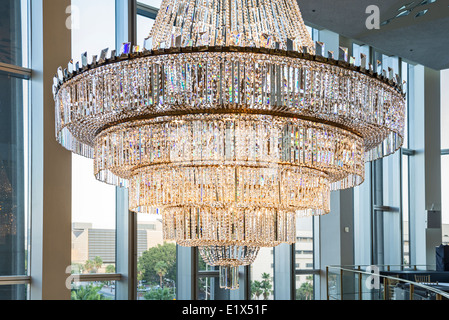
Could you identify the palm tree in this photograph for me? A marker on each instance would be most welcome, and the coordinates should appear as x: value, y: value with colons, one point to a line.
x: 305, y: 291
x: 266, y: 285
x: 77, y: 268
x: 98, y: 262
x: 161, y: 269
x: 256, y: 289
x: 160, y: 294
x: 88, y: 292
x: 110, y: 268
x: 88, y: 266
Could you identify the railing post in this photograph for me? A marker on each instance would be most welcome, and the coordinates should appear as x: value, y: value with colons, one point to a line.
x: 439, y: 297
x: 327, y: 282
x: 360, y: 283
x: 341, y: 284
x: 385, y: 289
x: 412, y: 291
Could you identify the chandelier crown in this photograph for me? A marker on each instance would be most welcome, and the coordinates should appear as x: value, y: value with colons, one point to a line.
x: 272, y: 24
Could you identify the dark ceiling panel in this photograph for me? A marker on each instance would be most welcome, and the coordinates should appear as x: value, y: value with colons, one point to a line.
x: 423, y: 39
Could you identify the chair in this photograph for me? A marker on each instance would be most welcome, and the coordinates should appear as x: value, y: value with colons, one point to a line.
x: 392, y: 284
x: 422, y: 279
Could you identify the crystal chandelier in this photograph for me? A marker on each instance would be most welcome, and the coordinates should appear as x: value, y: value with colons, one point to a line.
x: 229, y: 122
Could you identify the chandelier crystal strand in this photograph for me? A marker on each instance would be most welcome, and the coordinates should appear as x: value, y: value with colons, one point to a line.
x: 227, y: 125
x: 269, y: 24
x: 78, y: 122
x: 229, y: 259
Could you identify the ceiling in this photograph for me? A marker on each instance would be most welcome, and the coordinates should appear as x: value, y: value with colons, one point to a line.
x: 423, y: 39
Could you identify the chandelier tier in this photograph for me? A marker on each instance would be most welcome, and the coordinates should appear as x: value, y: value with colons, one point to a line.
x: 227, y: 124
x: 229, y: 259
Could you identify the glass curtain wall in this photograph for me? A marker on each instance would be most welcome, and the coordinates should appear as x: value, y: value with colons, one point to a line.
x: 93, y: 202
x: 156, y: 259
x: 14, y: 213
x: 445, y: 155
x: 405, y: 154
x: 381, y: 203
x: 306, y: 280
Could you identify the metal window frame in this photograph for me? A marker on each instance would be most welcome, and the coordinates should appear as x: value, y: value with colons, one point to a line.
x: 146, y: 11
x: 93, y: 277
x: 15, y: 71
x: 14, y: 280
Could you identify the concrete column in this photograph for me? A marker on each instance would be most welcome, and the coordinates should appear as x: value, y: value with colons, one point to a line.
x: 337, y: 236
x: 186, y: 273
x: 425, y: 165
x: 363, y: 220
x: 51, y: 174
x: 284, y: 272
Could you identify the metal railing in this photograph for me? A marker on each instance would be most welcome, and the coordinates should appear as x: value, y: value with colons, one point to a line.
x: 353, y: 283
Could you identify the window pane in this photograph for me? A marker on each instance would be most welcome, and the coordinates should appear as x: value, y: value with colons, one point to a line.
x: 262, y: 285
x: 445, y: 109
x: 144, y: 26
x: 13, y: 32
x: 358, y: 50
x: 390, y: 62
x: 405, y: 67
x: 156, y: 260
x: 203, y: 266
x: 209, y: 289
x: 91, y: 32
x: 304, y: 258
x: 93, y: 202
x: 14, y: 292
x: 405, y: 209
x: 444, y: 197
x: 13, y: 176
x: 304, y: 243
x: 305, y: 287
x: 153, y: 3
x: 445, y: 159
x: 98, y: 290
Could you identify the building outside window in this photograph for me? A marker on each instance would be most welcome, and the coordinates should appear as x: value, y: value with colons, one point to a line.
x: 14, y: 148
